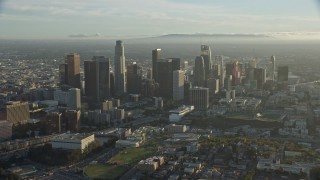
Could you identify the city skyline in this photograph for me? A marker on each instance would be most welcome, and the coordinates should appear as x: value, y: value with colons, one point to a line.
x: 126, y: 19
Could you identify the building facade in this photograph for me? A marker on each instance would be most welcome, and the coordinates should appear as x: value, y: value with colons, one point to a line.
x: 120, y: 69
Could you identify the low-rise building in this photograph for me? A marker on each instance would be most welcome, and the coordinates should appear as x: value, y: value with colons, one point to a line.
x: 71, y: 141
x: 127, y: 143
x: 173, y: 128
x: 177, y: 114
x: 5, y: 130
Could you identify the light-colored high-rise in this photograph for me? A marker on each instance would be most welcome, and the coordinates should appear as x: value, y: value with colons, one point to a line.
x: 178, y: 85
x: 73, y: 70
x: 219, y: 61
x: 120, y: 69
x: 74, y: 102
x: 273, y: 67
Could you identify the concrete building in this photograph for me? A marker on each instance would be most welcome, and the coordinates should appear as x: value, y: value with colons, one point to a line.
x: 273, y: 68
x: 72, y: 141
x: 17, y: 112
x: 177, y: 114
x: 127, y: 143
x: 219, y: 61
x: 54, y: 121
x: 213, y: 85
x: 120, y: 69
x: 106, y: 105
x: 73, y: 70
x: 5, y: 130
x: 150, y: 164
x: 74, y: 102
x: 174, y: 128
x: 158, y: 102
x: 199, y: 98
x: 73, y: 120
x: 178, y: 85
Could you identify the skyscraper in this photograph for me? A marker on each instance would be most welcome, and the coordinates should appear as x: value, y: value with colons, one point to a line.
x: 156, y: 55
x: 73, y: 70
x: 178, y: 85
x: 260, y: 77
x: 199, y: 72
x: 90, y: 79
x: 63, y: 69
x: 74, y: 102
x: 233, y: 69
x: 273, y: 68
x: 120, y: 69
x: 97, y: 78
x: 206, y: 55
x: 133, y: 78
x: 219, y: 61
x: 199, y: 97
x: 283, y: 73
x: 175, y: 64
x: 164, y: 74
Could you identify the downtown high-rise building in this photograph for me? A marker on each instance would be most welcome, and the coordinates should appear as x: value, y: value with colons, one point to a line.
x: 233, y: 69
x: 219, y: 62
x: 199, y: 72
x: 206, y: 55
x: 260, y: 77
x: 283, y: 73
x: 178, y: 85
x: 72, y: 70
x: 97, y: 78
x: 74, y: 102
x: 120, y: 69
x: 273, y: 68
x: 133, y: 78
x: 199, y: 98
x: 165, y: 77
x: 156, y: 55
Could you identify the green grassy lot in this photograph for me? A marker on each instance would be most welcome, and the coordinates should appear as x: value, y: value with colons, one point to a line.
x: 100, y: 171
x: 131, y: 155
x: 123, y: 161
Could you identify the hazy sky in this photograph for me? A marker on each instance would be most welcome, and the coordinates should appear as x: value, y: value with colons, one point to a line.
x: 136, y: 18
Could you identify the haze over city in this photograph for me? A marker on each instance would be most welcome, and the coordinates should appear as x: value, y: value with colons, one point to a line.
x: 166, y: 89
x: 44, y: 19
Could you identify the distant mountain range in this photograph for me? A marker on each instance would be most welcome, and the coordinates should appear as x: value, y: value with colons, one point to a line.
x: 197, y: 35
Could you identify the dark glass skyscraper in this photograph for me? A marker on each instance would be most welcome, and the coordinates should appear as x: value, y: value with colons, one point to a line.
x: 156, y: 55
x: 120, y: 69
x: 133, y: 78
x: 97, y: 78
x: 165, y: 77
x: 199, y: 72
